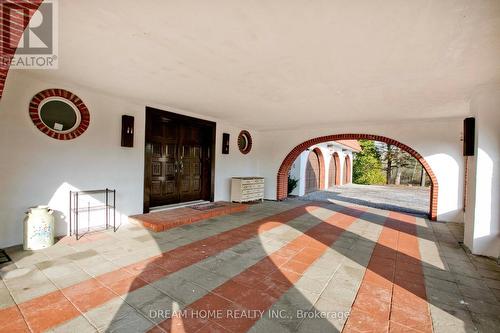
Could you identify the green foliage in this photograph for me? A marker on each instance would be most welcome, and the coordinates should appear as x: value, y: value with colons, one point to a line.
x: 292, y: 184
x: 367, y: 167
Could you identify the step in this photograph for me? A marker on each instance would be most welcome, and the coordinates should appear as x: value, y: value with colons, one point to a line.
x: 168, y: 219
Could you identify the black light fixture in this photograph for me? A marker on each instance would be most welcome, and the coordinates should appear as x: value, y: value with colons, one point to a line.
x: 469, y: 136
x: 225, y: 143
x: 127, y: 131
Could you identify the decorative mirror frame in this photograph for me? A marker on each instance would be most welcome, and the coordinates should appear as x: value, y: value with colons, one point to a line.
x: 248, y: 137
x: 82, y: 113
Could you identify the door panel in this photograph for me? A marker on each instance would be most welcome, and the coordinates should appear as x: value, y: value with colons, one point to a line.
x: 312, y: 172
x: 163, y: 174
x: 347, y: 170
x: 190, y: 173
x: 332, y: 172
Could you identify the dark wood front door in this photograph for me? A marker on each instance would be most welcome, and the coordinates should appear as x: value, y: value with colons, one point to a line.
x: 178, y: 159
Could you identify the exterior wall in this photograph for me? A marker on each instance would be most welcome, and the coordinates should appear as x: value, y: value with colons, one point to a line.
x: 482, y: 214
x: 298, y: 170
x: 438, y: 141
x: 37, y: 169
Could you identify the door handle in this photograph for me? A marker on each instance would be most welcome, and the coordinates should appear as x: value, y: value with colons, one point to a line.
x: 181, y: 170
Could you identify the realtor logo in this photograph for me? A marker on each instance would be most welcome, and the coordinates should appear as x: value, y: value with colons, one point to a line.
x: 36, y: 46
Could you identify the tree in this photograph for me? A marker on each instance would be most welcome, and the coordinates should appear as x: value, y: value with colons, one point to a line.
x: 388, y: 169
x: 292, y: 183
x: 395, y: 158
x: 367, y: 167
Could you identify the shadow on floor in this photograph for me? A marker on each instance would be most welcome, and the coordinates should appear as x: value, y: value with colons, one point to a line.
x: 242, y: 262
x: 226, y: 291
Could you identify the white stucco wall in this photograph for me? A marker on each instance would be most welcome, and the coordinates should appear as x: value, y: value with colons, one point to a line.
x: 37, y: 169
x: 438, y: 141
x: 482, y: 218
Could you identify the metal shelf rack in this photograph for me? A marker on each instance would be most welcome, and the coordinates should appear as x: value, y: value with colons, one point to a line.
x: 75, y: 208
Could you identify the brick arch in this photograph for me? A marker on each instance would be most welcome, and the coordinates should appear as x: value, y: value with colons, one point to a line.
x: 11, y: 30
x: 282, y: 177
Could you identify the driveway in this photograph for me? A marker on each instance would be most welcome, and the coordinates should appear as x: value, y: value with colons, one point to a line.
x: 277, y: 267
x: 413, y: 200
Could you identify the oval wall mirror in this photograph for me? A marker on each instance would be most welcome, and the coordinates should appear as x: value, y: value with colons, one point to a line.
x: 245, y: 142
x: 59, y: 115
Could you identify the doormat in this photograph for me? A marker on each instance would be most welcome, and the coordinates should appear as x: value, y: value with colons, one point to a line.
x: 208, y: 206
x: 4, y: 257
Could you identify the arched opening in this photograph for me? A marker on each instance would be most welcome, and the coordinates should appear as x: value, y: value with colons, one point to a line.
x: 312, y: 172
x: 347, y: 170
x: 334, y: 170
x: 282, y: 176
x: 315, y: 171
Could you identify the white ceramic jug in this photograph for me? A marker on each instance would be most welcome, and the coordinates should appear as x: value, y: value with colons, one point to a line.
x: 39, y: 228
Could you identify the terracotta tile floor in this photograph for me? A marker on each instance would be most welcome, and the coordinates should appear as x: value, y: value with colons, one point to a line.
x: 168, y: 219
x: 276, y: 267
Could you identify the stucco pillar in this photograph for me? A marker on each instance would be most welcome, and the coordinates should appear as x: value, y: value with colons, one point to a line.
x: 482, y: 214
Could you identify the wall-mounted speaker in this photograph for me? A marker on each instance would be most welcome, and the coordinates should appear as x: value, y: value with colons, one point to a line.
x: 469, y: 136
x: 225, y: 143
x: 127, y: 131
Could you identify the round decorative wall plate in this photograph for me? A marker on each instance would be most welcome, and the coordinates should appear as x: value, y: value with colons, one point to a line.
x: 245, y: 142
x: 59, y: 114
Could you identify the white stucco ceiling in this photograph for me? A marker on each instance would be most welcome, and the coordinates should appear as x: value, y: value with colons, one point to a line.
x: 284, y: 64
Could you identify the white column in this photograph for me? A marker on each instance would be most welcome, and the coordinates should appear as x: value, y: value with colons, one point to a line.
x: 482, y: 216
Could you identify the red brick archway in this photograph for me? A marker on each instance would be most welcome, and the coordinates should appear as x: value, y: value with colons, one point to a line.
x: 282, y: 177
x: 11, y: 29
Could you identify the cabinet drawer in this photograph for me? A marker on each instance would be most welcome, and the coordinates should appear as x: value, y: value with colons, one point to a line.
x: 249, y: 197
x: 252, y: 186
x: 252, y: 181
x: 252, y: 192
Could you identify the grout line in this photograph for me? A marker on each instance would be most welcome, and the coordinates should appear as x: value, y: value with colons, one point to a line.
x: 391, y: 304
x: 333, y: 274
x: 74, y: 305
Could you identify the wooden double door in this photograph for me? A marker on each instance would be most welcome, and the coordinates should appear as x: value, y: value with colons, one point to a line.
x: 178, y: 159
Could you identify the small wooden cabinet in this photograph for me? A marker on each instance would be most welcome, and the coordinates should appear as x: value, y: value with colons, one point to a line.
x: 245, y: 189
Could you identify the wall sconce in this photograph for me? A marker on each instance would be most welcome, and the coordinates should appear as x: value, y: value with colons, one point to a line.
x: 127, y: 131
x: 469, y: 136
x: 225, y: 143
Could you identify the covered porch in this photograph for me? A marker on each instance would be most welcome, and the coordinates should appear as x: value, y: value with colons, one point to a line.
x: 167, y: 103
